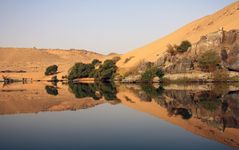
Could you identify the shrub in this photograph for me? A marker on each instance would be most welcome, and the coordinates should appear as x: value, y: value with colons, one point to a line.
x: 159, y: 73
x: 106, y: 71
x: 95, y: 62
x: 209, y: 60
x: 149, y: 74
x: 80, y: 70
x: 171, y: 50
x: 184, y: 46
x: 51, y: 70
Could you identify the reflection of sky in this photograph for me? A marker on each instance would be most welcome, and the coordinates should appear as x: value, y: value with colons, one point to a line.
x: 102, y: 127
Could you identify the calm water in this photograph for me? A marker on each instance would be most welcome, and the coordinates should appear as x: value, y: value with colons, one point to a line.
x: 109, y: 116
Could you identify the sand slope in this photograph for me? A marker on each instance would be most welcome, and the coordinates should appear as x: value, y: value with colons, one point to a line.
x: 35, y: 61
x: 227, y: 18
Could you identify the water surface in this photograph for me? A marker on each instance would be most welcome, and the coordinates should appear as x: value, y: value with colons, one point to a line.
x: 112, y: 116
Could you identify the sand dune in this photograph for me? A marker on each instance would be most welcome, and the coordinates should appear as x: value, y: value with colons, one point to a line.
x: 35, y: 61
x: 226, y: 18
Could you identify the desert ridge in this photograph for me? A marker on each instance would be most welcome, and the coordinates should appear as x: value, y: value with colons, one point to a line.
x: 226, y: 18
x: 31, y: 63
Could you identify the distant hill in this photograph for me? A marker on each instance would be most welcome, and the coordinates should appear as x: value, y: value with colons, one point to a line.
x: 34, y: 61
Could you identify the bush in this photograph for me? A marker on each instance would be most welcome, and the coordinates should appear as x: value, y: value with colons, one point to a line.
x: 80, y: 70
x: 209, y: 60
x: 159, y: 73
x: 184, y: 46
x: 95, y: 62
x: 149, y: 74
x: 106, y: 71
x: 51, y: 70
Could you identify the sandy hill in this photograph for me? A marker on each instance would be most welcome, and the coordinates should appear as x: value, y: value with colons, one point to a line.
x: 226, y: 18
x: 34, y: 61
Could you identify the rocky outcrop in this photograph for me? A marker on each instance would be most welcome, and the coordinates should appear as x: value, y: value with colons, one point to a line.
x: 226, y: 45
x: 131, y: 79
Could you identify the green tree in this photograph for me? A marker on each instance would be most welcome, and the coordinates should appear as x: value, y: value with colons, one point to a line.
x: 95, y: 62
x: 209, y: 60
x: 150, y: 73
x: 80, y: 70
x: 51, y: 70
x: 106, y: 71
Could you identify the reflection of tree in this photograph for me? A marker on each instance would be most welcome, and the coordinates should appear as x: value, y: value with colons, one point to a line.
x: 96, y: 90
x: 209, y: 101
x: 51, y: 90
x: 108, y: 90
x: 149, y: 92
x: 218, y: 109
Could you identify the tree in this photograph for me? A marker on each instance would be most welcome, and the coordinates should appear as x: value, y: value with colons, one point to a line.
x: 209, y: 60
x: 95, y: 62
x: 150, y: 73
x: 51, y: 70
x: 80, y: 70
x: 184, y: 46
x: 106, y: 71
x: 159, y: 73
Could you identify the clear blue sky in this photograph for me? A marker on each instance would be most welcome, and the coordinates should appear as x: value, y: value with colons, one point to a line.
x: 103, y: 26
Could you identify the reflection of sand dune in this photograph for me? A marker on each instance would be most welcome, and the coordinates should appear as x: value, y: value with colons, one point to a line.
x: 130, y: 97
x: 170, y: 105
x: 32, y: 98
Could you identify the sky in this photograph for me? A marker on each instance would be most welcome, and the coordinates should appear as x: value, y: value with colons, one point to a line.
x: 103, y: 26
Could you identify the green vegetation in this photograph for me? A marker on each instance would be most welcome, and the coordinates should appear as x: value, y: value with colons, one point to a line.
x: 51, y: 70
x: 184, y: 46
x: 80, y: 70
x: 95, y: 62
x: 209, y: 60
x: 150, y: 73
x: 105, y: 72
